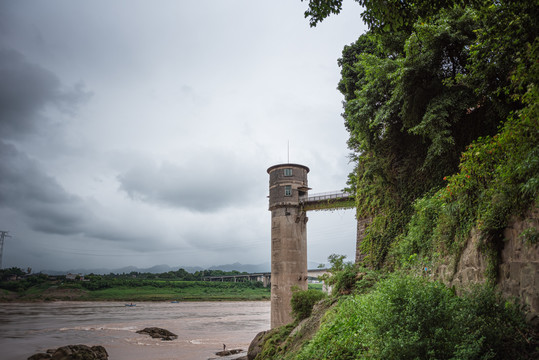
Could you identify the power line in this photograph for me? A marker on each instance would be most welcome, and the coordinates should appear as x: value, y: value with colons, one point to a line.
x: 3, y: 235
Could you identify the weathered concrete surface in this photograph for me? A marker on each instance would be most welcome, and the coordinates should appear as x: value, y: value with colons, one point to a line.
x: 289, y: 262
x: 288, y: 238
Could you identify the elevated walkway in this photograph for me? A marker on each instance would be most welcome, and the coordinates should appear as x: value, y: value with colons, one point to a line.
x: 333, y: 200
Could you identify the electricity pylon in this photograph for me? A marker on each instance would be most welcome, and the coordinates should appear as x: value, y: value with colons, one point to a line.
x: 3, y: 235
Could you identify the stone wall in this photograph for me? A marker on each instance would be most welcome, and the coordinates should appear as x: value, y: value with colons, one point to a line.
x: 518, y: 270
x: 360, y: 234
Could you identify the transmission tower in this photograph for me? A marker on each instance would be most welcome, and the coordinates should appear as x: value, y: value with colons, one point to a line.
x: 3, y: 235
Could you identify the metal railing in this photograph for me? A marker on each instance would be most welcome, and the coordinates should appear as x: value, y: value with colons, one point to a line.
x: 325, y: 196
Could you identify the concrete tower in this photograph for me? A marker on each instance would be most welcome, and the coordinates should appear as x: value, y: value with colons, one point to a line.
x: 288, y: 182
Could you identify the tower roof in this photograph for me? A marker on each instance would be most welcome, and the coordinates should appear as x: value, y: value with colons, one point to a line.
x: 271, y: 168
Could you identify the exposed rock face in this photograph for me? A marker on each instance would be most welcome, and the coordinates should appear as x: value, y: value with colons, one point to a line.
x: 158, y: 333
x: 73, y: 352
x: 255, y: 347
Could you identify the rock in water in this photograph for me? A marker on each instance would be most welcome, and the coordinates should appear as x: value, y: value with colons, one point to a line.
x: 73, y: 352
x: 158, y: 333
x: 228, y: 352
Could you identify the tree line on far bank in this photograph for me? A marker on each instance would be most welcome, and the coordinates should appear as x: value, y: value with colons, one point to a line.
x: 16, y: 279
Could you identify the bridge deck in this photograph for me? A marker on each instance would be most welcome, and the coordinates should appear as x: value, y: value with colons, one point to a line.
x: 328, y: 201
x: 265, y: 277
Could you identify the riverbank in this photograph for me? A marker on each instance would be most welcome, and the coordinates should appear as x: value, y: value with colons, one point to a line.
x: 188, y: 291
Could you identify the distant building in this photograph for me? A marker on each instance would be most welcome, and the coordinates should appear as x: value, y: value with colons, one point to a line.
x: 71, y: 276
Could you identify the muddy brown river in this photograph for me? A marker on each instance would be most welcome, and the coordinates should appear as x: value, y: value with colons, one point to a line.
x: 202, y: 328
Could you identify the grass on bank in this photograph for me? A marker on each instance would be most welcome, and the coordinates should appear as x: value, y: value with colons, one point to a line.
x: 198, y: 293
x: 162, y: 291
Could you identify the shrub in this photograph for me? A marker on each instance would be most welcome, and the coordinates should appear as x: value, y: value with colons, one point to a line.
x: 411, y: 318
x: 303, y: 301
x: 342, y: 275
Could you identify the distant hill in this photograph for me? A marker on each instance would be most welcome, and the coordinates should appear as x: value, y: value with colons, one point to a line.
x: 157, y: 269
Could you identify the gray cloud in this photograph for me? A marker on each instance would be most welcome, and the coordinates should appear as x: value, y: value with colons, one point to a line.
x: 28, y: 190
x: 26, y: 89
x: 167, y: 162
x: 200, y: 184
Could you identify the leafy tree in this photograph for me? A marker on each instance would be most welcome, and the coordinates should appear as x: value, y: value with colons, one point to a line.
x: 409, y: 118
x: 426, y: 80
x: 5, y: 273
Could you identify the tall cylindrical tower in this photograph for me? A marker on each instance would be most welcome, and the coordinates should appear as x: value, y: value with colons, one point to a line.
x: 288, y: 182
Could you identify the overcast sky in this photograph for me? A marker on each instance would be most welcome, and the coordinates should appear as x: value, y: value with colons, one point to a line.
x: 140, y: 132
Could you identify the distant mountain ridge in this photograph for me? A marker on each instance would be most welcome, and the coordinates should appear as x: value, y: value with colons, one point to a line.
x: 163, y: 268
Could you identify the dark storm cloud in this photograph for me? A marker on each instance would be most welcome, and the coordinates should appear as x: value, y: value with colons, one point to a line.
x: 26, y: 189
x: 200, y: 185
x: 26, y: 89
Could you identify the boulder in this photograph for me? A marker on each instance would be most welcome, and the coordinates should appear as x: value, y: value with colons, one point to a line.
x: 73, y: 352
x: 255, y: 347
x: 158, y: 333
x: 40, y: 356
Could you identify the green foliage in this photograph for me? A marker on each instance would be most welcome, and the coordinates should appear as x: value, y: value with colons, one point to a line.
x: 24, y: 281
x: 382, y: 15
x: 303, y: 301
x: 411, y: 318
x: 409, y: 117
x: 497, y: 179
x: 321, y: 9
x: 530, y: 236
x: 419, y: 239
x: 508, y: 30
x: 342, y: 275
x: 13, y: 271
x: 182, y: 291
x: 347, y: 277
x: 414, y: 105
x: 136, y: 287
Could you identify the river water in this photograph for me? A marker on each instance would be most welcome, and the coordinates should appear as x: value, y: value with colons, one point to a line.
x: 202, y: 328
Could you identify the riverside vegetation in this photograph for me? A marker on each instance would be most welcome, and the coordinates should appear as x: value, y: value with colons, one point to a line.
x: 171, y: 286
x: 442, y: 107
x: 375, y: 314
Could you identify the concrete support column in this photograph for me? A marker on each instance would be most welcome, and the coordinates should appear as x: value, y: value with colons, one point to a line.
x: 288, y: 261
x: 288, y: 183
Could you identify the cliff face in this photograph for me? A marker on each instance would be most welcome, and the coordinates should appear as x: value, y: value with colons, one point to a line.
x: 518, y: 272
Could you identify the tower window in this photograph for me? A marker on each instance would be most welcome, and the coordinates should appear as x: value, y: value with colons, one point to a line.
x: 288, y: 190
x: 288, y: 172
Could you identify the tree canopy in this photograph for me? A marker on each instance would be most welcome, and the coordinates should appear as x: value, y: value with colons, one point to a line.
x: 426, y: 81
